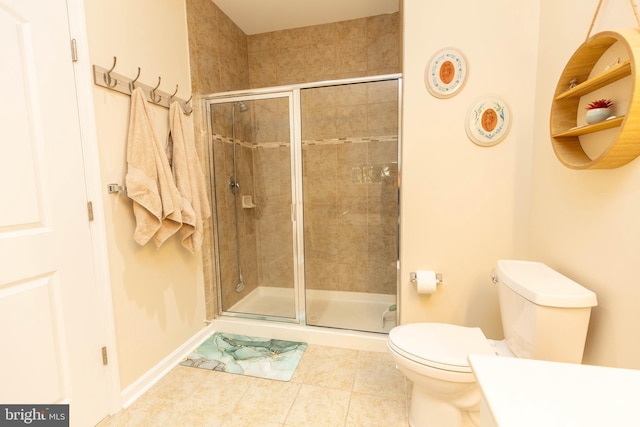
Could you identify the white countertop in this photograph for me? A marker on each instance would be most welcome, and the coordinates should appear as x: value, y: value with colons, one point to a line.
x: 528, y: 393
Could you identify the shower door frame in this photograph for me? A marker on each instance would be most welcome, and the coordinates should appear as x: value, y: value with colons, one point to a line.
x: 293, y: 93
x: 230, y: 97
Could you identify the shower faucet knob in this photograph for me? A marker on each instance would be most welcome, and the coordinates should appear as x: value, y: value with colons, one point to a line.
x: 233, y: 185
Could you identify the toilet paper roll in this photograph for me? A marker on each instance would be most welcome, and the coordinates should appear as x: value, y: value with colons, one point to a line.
x: 426, y: 282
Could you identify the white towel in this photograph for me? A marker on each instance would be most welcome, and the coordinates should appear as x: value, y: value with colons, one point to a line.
x: 189, y: 178
x: 156, y: 201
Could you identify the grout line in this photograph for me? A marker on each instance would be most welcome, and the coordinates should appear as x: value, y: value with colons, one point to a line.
x: 284, y: 423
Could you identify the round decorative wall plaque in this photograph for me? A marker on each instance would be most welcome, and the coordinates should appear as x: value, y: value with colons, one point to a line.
x: 488, y: 121
x: 446, y: 73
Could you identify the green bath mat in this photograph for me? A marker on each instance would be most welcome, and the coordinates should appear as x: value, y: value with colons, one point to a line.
x: 252, y: 356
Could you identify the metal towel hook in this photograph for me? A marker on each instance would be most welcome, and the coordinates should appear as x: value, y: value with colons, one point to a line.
x: 132, y: 84
x: 174, y: 94
x: 107, y: 76
x: 187, y: 109
x: 153, y: 93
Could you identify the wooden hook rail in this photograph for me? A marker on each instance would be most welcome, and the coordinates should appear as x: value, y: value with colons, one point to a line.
x: 107, y: 78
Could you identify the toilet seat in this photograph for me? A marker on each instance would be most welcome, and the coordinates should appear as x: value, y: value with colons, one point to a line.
x: 439, y: 345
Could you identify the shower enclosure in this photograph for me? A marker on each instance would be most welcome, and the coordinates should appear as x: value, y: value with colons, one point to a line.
x: 305, y: 183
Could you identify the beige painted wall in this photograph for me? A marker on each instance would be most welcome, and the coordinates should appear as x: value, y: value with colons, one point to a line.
x: 464, y: 206
x: 158, y: 294
x: 585, y: 223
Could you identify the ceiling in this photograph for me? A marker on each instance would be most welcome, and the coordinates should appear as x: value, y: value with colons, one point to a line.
x: 263, y: 16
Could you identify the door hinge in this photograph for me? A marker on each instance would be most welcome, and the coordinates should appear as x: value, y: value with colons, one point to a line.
x: 74, y: 50
x: 90, y: 210
x: 105, y: 359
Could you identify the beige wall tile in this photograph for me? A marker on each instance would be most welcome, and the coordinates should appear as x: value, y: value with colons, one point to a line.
x: 320, y: 61
x: 352, y: 29
x: 382, y: 52
x: 291, y: 64
x: 263, y: 69
x: 339, y: 50
x: 260, y: 42
x: 351, y: 57
x: 383, y: 24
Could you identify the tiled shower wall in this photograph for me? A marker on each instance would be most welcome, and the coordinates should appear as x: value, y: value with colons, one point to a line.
x: 355, y: 48
x: 225, y: 201
x: 350, y: 182
x: 272, y: 166
x: 217, y: 49
x: 350, y: 189
x: 350, y: 214
x: 223, y: 58
x: 219, y: 62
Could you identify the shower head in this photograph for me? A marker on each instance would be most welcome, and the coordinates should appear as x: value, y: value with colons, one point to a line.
x: 242, y: 106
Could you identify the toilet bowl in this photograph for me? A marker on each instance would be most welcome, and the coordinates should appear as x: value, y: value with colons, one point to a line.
x: 545, y: 316
x: 434, y: 357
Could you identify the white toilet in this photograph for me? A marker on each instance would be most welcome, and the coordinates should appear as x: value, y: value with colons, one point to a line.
x: 545, y: 316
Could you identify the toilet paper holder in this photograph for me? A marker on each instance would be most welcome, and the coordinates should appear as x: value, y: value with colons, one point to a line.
x: 414, y: 279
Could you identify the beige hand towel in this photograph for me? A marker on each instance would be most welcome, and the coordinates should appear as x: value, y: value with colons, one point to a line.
x: 156, y: 201
x: 189, y: 178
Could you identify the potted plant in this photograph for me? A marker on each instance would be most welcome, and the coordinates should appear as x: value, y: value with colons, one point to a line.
x: 599, y: 110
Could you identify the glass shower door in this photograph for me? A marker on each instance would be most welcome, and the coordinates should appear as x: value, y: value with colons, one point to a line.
x: 253, y: 230
x: 350, y: 185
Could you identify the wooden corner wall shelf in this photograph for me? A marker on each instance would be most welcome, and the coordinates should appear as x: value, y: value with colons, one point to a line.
x: 613, y: 74
x: 564, y: 129
x: 587, y: 129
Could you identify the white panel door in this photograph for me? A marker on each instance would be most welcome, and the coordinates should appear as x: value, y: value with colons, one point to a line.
x: 51, y: 335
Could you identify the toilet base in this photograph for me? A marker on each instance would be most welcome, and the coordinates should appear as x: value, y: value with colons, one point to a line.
x: 430, y: 412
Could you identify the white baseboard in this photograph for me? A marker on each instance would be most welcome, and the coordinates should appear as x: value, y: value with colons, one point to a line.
x: 153, y: 375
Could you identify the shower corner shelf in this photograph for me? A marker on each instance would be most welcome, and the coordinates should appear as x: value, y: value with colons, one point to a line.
x: 564, y: 130
x: 247, y: 202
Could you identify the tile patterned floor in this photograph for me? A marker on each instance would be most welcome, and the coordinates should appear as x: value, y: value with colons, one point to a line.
x: 332, y: 387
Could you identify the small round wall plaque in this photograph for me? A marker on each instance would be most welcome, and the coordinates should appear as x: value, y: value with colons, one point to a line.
x: 446, y: 73
x: 488, y: 121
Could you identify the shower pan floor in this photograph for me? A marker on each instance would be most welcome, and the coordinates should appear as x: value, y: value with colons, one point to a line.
x: 267, y: 301
x: 335, y: 309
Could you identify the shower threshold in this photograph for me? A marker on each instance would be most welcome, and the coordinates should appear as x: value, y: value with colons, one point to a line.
x: 358, y: 311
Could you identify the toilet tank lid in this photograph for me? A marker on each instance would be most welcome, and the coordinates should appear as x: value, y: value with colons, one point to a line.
x: 542, y: 285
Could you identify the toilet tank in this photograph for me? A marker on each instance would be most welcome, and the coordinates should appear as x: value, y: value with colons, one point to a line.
x: 545, y: 315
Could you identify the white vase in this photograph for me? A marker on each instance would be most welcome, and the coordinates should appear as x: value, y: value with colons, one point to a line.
x: 597, y: 115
